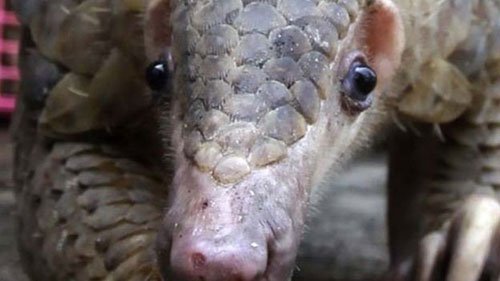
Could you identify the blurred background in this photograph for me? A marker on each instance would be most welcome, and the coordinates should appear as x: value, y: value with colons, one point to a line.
x: 345, y: 239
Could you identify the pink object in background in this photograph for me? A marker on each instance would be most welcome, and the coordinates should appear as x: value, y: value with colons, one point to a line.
x: 9, y: 74
x: 7, y: 104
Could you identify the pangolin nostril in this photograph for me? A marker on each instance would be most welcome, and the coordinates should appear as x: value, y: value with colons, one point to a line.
x: 195, y: 258
x: 198, y: 260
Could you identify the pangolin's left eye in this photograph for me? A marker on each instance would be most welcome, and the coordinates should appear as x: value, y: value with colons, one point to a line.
x: 360, y: 81
x: 157, y: 75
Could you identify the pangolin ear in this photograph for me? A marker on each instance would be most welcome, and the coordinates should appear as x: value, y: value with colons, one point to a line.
x: 157, y: 28
x: 381, y: 36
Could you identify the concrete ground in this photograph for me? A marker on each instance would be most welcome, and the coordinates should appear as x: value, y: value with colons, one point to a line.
x: 345, y: 238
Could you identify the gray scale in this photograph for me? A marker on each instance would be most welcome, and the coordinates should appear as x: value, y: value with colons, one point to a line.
x: 257, y: 73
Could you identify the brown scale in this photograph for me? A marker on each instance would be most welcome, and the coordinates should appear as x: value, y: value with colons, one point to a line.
x: 85, y: 212
x: 462, y: 100
x: 88, y: 215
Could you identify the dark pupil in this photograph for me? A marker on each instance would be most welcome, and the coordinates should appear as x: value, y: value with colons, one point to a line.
x: 364, y: 79
x: 157, y: 75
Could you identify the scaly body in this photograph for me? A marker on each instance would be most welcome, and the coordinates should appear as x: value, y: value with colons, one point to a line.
x: 265, y: 99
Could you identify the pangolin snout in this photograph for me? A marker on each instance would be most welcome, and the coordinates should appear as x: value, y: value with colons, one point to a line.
x: 232, y: 258
x: 219, y: 233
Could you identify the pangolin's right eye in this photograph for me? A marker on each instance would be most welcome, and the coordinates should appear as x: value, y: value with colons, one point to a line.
x: 357, y: 86
x: 157, y: 75
x: 360, y: 81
